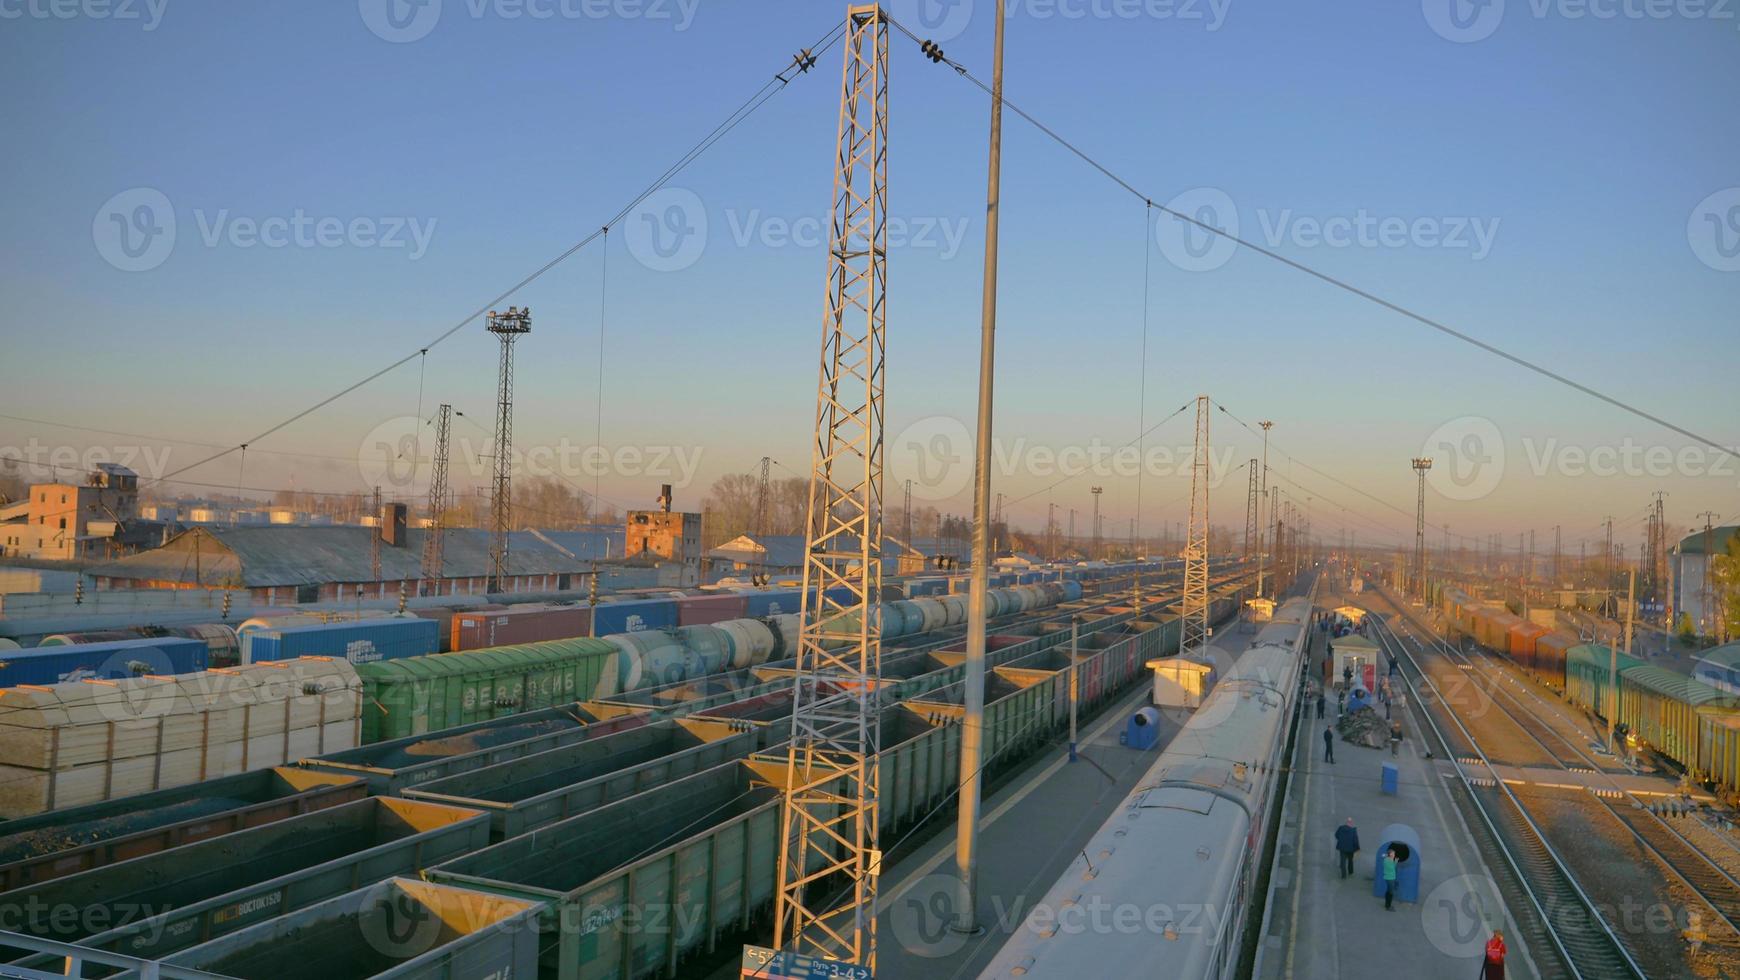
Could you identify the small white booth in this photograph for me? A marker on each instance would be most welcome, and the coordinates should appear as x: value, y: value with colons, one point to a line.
x: 1180, y: 683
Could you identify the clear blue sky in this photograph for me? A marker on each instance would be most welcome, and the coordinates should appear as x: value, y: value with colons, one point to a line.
x: 1583, y: 146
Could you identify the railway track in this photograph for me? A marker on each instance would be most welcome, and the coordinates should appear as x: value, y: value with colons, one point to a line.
x: 1679, y: 860
x: 1533, y: 879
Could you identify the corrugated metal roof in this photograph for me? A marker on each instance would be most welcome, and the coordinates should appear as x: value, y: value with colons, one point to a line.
x: 288, y: 555
x: 1679, y: 687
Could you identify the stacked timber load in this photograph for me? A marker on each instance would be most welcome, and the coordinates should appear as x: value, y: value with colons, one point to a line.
x: 87, y: 741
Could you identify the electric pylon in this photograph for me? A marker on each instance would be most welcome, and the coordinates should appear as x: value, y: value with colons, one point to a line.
x: 1421, y: 465
x: 831, y: 856
x: 432, y: 571
x: 1194, y: 636
x: 1251, y: 510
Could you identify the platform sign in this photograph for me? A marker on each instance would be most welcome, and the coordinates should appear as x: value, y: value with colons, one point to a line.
x: 761, y: 963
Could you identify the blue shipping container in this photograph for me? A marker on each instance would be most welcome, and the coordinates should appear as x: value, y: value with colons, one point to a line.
x: 783, y: 602
x: 610, y: 618
x: 103, y: 661
x: 358, y: 642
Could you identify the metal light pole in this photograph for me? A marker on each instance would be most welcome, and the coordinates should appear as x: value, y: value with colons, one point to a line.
x: 1074, y: 679
x: 972, y: 725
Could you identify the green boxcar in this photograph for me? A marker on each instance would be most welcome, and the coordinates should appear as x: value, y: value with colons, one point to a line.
x: 1662, y: 709
x: 1719, y: 748
x: 1586, y: 675
x: 415, y: 695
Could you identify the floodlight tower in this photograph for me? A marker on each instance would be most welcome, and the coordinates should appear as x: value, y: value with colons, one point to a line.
x: 507, y: 327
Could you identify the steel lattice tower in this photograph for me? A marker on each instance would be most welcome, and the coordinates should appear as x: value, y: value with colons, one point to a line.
x: 508, y: 327
x: 760, y: 577
x: 1195, y: 613
x: 375, y: 542
x: 830, y: 858
x: 1251, y: 510
x: 1096, y: 491
x: 432, y: 559
x: 1264, y: 538
x: 1421, y: 465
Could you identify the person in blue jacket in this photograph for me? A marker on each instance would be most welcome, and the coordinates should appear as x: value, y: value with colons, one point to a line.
x: 1347, y: 845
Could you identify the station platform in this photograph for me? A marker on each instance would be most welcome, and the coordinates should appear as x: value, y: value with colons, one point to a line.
x: 1321, y: 925
x: 1030, y: 830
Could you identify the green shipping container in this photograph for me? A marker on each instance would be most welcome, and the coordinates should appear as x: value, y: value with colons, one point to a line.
x: 415, y: 695
x: 1586, y: 670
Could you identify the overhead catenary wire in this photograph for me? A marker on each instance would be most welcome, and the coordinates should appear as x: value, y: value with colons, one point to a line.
x: 767, y: 91
x: 1325, y: 277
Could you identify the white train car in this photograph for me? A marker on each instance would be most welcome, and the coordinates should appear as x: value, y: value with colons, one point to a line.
x: 1165, y: 887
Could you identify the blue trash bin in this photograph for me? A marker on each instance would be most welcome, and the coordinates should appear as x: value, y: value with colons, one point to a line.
x: 1408, y: 861
x: 1391, y: 779
x: 1142, y: 731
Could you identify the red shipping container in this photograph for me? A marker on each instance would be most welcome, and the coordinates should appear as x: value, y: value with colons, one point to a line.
x: 1550, y: 653
x: 474, y: 630
x: 1522, y: 642
x: 699, y: 610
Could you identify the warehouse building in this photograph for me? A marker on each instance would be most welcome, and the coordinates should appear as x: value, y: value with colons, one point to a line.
x: 288, y: 564
x: 782, y: 555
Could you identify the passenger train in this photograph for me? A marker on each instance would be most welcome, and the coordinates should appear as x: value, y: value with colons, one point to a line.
x: 1166, y: 886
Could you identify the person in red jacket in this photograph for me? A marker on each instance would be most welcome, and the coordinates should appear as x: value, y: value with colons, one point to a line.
x: 1494, y: 966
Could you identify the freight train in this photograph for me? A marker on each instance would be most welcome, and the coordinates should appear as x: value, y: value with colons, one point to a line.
x: 464, y: 622
x: 313, y: 860
x: 1184, y: 849
x: 1689, y: 723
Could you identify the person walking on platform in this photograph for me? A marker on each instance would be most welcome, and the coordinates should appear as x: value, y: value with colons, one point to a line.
x: 1319, y: 704
x: 1329, y: 743
x: 1346, y: 846
x: 1493, y: 966
x: 1347, y: 675
x: 1389, y: 879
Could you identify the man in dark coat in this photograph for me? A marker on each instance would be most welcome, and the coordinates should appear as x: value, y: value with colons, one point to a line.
x: 1347, y: 845
x: 1328, y: 743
